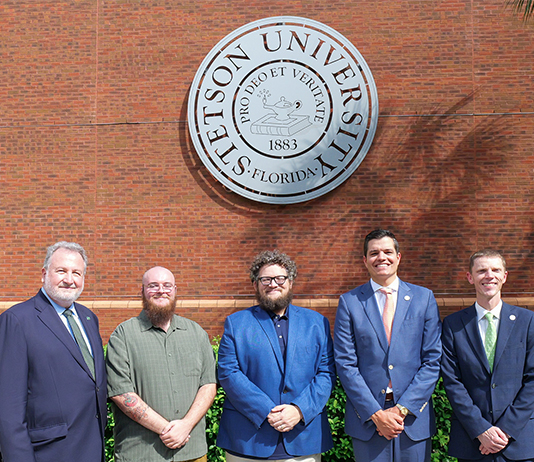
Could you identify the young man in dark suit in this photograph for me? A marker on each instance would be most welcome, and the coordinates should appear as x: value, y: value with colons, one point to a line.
x: 488, y: 370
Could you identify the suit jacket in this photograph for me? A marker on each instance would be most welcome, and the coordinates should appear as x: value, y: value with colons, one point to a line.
x: 253, y: 375
x: 51, y: 409
x: 481, y: 399
x: 365, y: 363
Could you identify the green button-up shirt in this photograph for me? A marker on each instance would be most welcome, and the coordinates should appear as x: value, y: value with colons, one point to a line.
x: 165, y: 369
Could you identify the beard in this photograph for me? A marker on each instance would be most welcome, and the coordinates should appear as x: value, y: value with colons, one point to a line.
x: 159, y: 315
x: 63, y: 296
x: 277, y: 305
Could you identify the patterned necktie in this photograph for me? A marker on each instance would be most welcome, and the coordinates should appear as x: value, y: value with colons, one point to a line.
x: 389, y: 312
x: 80, y: 341
x: 490, y: 339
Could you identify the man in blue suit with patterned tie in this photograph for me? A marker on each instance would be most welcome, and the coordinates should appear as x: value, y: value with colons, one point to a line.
x: 52, y: 372
x: 488, y: 370
x: 276, y: 365
x: 387, y: 347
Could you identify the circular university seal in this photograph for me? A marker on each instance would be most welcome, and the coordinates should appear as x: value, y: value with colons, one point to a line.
x: 283, y: 110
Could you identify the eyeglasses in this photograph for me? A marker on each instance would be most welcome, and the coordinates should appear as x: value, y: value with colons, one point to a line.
x: 280, y: 280
x: 155, y: 287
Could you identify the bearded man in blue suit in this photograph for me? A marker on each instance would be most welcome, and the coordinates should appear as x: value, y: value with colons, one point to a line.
x: 387, y: 348
x: 52, y: 372
x: 488, y: 370
x: 276, y: 366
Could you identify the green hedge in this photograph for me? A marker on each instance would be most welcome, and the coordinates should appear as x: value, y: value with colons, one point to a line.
x: 342, y: 450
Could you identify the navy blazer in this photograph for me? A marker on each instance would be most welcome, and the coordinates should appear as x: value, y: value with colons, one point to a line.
x: 251, y: 371
x: 366, y: 363
x: 51, y: 408
x: 481, y: 399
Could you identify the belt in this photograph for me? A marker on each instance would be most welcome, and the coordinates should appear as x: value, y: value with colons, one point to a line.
x: 389, y: 396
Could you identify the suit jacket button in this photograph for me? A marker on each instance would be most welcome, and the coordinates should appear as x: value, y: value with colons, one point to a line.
x: 285, y: 390
x: 383, y: 392
x: 390, y: 367
x: 493, y: 385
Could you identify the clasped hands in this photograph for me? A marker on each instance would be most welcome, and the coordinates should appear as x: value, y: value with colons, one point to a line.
x: 284, y: 417
x: 492, y: 441
x: 175, y: 434
x: 389, y: 422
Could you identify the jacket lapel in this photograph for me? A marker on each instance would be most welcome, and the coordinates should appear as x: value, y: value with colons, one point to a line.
x: 292, y: 336
x: 372, y: 312
x: 469, y: 319
x: 506, y: 325
x: 266, y: 324
x: 404, y: 299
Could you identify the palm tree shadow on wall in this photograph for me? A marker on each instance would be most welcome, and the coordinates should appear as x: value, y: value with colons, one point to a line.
x: 449, y: 159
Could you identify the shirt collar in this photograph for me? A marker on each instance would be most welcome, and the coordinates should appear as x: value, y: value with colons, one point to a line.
x: 176, y: 322
x: 285, y: 315
x: 481, y: 312
x: 394, y: 286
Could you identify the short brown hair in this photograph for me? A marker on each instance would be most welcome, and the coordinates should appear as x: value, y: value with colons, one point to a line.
x: 485, y: 253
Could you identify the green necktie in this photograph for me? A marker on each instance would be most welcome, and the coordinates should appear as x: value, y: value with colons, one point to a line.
x: 491, y: 339
x: 80, y: 341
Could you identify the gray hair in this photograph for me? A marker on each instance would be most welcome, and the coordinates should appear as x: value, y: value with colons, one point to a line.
x: 72, y: 246
x: 272, y: 257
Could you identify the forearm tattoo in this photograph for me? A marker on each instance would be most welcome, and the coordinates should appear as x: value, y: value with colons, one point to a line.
x: 134, y: 409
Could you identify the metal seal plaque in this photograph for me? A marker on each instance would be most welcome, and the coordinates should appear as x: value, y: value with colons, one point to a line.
x: 283, y: 110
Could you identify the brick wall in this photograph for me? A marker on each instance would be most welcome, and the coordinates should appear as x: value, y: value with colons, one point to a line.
x: 94, y: 147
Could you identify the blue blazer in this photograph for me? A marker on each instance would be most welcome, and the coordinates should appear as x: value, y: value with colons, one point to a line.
x: 481, y: 399
x: 365, y: 363
x: 51, y: 409
x: 251, y: 371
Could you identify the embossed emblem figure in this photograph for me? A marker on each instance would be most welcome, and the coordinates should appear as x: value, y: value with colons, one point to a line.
x: 283, y: 110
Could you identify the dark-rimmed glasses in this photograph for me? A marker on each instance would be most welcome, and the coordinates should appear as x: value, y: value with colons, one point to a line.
x: 280, y: 280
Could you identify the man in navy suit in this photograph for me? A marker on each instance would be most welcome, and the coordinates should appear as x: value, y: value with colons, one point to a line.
x: 52, y: 386
x: 488, y: 370
x: 276, y: 365
x: 387, y: 347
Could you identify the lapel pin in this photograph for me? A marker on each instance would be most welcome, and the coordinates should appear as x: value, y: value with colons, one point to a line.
x: 406, y: 297
x: 88, y: 318
x: 512, y: 317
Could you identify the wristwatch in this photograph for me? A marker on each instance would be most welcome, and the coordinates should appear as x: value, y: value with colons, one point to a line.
x: 404, y: 411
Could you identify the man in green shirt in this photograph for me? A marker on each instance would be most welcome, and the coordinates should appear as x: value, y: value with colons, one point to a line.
x: 161, y: 379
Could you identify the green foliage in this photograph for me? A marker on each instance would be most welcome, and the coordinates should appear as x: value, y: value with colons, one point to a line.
x: 342, y: 450
x: 522, y: 6
x: 443, y: 411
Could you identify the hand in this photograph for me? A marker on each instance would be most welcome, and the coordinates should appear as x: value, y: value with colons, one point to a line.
x: 492, y: 441
x: 284, y: 417
x: 388, y: 423
x: 176, y: 434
